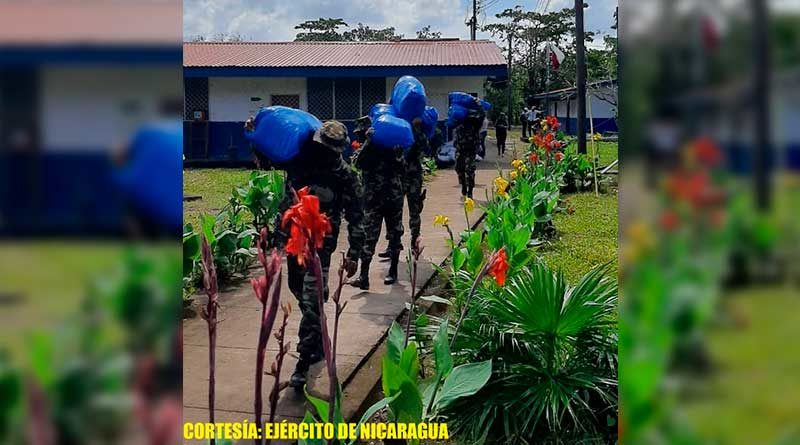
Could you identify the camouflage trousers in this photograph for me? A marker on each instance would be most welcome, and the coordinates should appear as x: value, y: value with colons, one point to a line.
x: 465, y: 167
x: 380, y: 207
x: 303, y: 284
x: 415, y: 195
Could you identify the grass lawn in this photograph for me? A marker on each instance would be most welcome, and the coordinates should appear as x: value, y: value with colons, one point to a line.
x: 587, y: 238
x: 752, y: 397
x: 214, y: 185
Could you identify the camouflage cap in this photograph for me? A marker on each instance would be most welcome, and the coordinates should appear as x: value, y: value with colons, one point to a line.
x: 363, y: 123
x: 333, y: 134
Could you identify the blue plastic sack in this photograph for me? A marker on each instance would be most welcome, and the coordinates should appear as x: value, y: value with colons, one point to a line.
x: 408, y: 98
x: 456, y: 114
x: 429, y: 121
x: 486, y: 105
x: 151, y: 179
x: 380, y: 109
x: 391, y: 131
x: 280, y: 132
x: 464, y: 100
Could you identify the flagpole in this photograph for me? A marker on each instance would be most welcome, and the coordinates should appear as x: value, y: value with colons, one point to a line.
x: 549, y: 56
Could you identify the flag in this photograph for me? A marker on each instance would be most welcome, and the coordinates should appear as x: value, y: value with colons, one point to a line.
x: 556, y: 55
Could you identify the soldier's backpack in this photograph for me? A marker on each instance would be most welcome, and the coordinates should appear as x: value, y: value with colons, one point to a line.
x: 280, y: 132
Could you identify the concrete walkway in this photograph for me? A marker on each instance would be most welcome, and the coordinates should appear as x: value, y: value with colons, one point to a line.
x: 365, y: 321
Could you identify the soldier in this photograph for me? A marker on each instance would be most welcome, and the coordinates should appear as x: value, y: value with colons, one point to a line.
x: 320, y: 166
x: 467, y: 141
x: 412, y: 180
x: 381, y: 172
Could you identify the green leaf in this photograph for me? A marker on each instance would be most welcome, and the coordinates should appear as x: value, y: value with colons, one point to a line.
x: 459, y: 258
x: 309, y: 418
x: 407, y: 407
x: 377, y: 406
x: 320, y: 405
x: 409, y: 362
x: 41, y: 353
x: 441, y: 351
x: 207, y: 223
x: 464, y: 381
x: 394, y: 343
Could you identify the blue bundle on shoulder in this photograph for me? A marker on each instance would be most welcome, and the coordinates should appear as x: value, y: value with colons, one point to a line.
x: 486, y: 105
x: 456, y: 114
x: 429, y: 121
x: 408, y: 98
x: 280, y: 132
x: 391, y: 131
x: 381, y: 109
x: 151, y: 179
x: 464, y: 100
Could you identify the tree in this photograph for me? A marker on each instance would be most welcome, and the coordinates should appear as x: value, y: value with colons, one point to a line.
x: 219, y: 37
x: 426, y: 34
x: 320, y: 30
x: 364, y: 33
x: 531, y: 31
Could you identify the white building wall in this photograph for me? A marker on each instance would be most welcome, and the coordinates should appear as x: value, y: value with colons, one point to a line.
x: 437, y: 88
x: 229, y: 97
x: 123, y: 97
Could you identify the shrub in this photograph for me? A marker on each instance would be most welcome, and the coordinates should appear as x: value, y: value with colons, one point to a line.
x: 554, y: 349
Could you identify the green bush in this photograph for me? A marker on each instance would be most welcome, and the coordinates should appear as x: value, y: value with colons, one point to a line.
x: 555, y: 353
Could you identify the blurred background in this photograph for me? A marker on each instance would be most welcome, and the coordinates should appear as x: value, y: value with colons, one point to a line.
x: 90, y: 218
x: 709, y: 206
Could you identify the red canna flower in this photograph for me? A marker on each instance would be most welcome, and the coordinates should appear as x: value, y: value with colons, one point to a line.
x: 499, y: 267
x: 669, y: 220
x: 356, y: 145
x: 308, y: 226
x: 553, y: 122
x: 538, y: 141
x: 707, y: 152
x: 557, y: 144
x: 533, y: 157
x: 559, y: 156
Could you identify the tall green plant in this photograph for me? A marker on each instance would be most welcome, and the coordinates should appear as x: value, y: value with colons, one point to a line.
x: 555, y: 350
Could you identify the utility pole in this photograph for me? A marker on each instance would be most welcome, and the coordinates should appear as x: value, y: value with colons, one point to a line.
x: 580, y: 62
x: 760, y: 96
x: 509, y: 87
x: 473, y: 22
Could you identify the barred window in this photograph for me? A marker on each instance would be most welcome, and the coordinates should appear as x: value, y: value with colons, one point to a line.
x: 195, y: 91
x: 348, y: 98
x: 373, y: 91
x: 286, y: 100
x: 320, y: 97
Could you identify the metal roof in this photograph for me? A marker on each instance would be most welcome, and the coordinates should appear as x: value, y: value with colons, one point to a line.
x: 403, y: 53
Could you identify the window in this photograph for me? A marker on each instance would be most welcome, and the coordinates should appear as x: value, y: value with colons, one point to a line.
x: 347, y: 105
x: 373, y: 91
x: 286, y: 100
x: 196, y: 96
x: 320, y: 97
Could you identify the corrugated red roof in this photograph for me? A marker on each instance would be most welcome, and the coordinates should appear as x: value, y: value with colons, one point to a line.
x: 90, y: 22
x: 343, y: 54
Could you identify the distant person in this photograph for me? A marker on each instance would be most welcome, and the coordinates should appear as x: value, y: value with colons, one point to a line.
x: 533, y: 119
x: 501, y: 132
x: 467, y: 142
x: 523, y: 120
x: 484, y: 132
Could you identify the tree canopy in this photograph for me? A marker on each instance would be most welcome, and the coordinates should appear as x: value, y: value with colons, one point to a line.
x: 328, y: 30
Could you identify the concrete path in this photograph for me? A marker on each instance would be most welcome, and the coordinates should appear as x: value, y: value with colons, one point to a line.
x: 365, y: 321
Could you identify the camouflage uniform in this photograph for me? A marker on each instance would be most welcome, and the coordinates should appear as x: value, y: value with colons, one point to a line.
x: 320, y: 166
x: 467, y: 141
x: 412, y: 183
x: 381, y: 173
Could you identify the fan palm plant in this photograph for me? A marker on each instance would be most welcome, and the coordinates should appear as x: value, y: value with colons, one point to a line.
x: 555, y: 352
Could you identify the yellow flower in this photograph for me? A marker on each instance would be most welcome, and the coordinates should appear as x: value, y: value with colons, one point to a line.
x: 517, y: 164
x: 513, y: 174
x: 469, y: 205
x: 441, y: 220
x: 501, y: 186
x: 596, y: 137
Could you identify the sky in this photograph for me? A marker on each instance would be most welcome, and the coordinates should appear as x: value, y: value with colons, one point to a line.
x: 274, y: 20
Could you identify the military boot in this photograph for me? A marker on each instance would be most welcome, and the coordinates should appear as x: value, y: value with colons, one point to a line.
x: 300, y: 375
x: 391, y: 277
x: 362, y: 282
